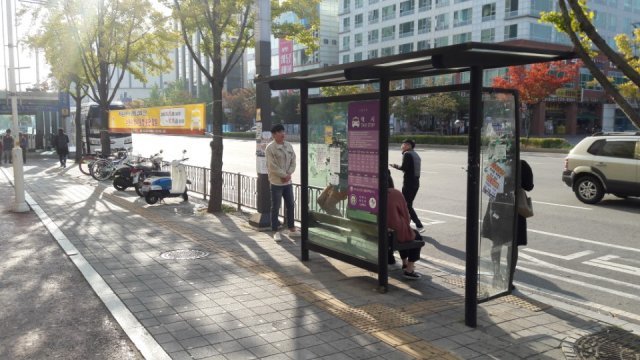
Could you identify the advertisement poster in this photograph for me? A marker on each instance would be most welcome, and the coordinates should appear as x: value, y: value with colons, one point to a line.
x: 263, y: 139
x: 285, y: 56
x: 180, y: 119
x: 363, y: 145
x: 494, y: 180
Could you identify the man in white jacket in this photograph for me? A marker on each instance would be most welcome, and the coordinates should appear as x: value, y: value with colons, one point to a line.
x: 281, y: 163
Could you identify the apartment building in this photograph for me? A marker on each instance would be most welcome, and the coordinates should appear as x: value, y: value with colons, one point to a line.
x: 377, y: 28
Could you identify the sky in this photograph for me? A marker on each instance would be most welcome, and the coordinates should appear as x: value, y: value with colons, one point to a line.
x: 31, y: 67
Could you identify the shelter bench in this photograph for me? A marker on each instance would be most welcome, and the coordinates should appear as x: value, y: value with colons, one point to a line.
x: 345, y: 227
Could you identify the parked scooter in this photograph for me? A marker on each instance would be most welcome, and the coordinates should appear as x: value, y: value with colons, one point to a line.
x: 133, y: 175
x: 156, y: 188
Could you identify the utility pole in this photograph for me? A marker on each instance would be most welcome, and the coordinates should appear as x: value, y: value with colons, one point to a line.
x: 262, y: 218
x: 18, y: 169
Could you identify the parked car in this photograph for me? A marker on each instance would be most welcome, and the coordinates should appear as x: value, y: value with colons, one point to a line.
x: 604, y: 163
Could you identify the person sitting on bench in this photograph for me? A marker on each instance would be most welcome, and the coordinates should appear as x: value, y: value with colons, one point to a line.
x: 399, y: 220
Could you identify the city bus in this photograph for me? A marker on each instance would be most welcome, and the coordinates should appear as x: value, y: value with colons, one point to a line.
x: 93, y: 123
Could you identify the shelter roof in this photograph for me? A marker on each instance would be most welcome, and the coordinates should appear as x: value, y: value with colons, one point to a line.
x: 441, y: 60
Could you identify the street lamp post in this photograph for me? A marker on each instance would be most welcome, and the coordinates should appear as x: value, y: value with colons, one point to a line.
x: 18, y: 169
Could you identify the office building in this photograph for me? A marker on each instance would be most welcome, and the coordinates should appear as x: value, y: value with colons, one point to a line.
x: 377, y: 28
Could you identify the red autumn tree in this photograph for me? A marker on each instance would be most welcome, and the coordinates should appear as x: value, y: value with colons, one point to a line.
x: 537, y: 81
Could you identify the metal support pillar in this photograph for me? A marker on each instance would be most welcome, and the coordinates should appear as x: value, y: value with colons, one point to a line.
x: 304, y: 173
x: 383, y: 181
x: 473, y: 198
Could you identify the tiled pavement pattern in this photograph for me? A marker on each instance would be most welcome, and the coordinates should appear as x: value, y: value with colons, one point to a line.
x: 253, y: 298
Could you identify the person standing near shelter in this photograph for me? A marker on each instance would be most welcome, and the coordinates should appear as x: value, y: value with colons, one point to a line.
x: 281, y: 163
x: 526, y: 182
x: 61, y: 143
x: 411, y: 163
x: 24, y: 143
x: 7, y: 146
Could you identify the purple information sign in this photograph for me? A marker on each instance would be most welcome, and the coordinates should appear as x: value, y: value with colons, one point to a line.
x: 363, y: 145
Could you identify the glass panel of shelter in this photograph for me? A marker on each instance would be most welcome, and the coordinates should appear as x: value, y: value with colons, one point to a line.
x: 343, y: 188
x: 498, y: 162
x: 338, y: 224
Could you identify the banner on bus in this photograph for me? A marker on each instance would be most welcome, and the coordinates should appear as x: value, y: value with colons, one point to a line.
x: 182, y: 119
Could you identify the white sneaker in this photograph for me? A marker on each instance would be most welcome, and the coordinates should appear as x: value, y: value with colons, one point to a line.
x: 277, y: 237
x: 421, y: 229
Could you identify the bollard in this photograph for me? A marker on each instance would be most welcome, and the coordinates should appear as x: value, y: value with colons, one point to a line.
x: 18, y: 180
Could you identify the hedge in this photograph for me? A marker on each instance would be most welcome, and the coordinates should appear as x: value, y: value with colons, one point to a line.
x: 540, y: 143
x: 241, y: 135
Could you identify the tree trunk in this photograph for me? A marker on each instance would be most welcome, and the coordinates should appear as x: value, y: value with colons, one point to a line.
x: 78, y: 99
x: 215, y: 197
x: 595, y: 71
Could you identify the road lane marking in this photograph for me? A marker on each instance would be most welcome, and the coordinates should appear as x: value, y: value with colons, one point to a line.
x: 425, y: 260
x: 443, y: 214
x: 541, y: 263
x: 563, y: 257
x: 562, y: 205
x: 581, y: 283
x: 604, y: 263
x: 587, y: 241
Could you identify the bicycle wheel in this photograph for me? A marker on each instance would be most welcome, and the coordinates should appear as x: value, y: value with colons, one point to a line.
x: 85, y: 164
x: 101, y: 169
x: 104, y: 173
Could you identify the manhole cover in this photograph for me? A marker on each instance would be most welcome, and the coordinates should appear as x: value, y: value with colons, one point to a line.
x: 184, y: 254
x: 609, y: 344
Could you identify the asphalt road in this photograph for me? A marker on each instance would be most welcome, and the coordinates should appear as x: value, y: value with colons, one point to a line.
x: 583, y: 254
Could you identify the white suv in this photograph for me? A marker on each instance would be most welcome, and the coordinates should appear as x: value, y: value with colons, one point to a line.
x: 604, y: 163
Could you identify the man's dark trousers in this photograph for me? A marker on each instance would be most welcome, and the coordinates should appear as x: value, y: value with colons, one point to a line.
x: 409, y: 192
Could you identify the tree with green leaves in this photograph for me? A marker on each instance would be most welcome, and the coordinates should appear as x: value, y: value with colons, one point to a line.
x: 442, y: 106
x: 575, y: 20
x: 286, y: 108
x: 240, y: 107
x: 64, y: 61
x: 217, y: 32
x: 107, y: 39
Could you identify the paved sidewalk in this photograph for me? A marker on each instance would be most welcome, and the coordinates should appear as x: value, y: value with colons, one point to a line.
x: 48, y: 310
x: 243, y: 296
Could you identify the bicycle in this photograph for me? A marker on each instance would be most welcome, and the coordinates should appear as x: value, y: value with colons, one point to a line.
x: 85, y: 162
x: 103, y: 169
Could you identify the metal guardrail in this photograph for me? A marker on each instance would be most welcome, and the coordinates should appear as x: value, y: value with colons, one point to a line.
x: 242, y: 190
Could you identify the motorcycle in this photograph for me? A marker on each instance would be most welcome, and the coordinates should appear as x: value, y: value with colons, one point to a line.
x: 156, y: 188
x: 133, y: 175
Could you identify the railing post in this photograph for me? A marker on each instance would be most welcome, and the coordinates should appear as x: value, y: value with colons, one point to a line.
x: 204, y: 183
x: 238, y: 183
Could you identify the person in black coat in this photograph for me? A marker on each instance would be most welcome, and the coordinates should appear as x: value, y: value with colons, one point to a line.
x: 526, y: 182
x: 497, y: 224
x: 61, y: 143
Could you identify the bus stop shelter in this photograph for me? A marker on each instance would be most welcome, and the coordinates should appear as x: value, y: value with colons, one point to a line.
x: 344, y: 157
